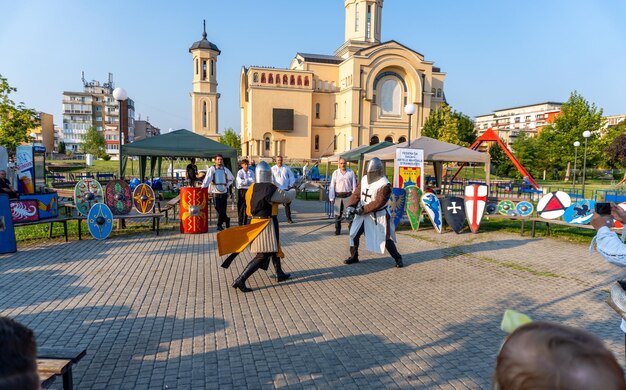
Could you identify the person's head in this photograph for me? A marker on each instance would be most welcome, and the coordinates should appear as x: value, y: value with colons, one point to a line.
x: 317, y: 163
x: 543, y: 355
x: 18, y: 356
x: 219, y: 160
x: 252, y: 163
x: 193, y: 160
x: 374, y: 170
x: 279, y: 161
x: 263, y: 173
x: 3, y: 173
x: 342, y: 164
x: 244, y: 164
x: 306, y: 164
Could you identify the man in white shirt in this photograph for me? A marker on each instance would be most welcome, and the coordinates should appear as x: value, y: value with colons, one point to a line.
x: 245, y: 178
x: 342, y: 185
x: 218, y: 180
x: 284, y: 179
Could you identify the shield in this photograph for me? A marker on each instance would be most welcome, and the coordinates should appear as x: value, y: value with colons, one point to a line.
x: 24, y: 210
x: 143, y: 198
x: 87, y: 193
x: 491, y: 208
x: 454, y: 212
x: 413, y: 205
x: 219, y: 181
x: 475, y: 204
x: 7, y: 232
x: 580, y: 213
x: 100, y: 221
x: 397, y: 201
x: 505, y: 207
x: 194, y: 210
x: 432, y: 206
x: 118, y: 197
x: 553, y: 205
x: 524, y: 208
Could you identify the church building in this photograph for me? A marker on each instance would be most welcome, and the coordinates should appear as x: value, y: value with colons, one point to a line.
x: 326, y: 104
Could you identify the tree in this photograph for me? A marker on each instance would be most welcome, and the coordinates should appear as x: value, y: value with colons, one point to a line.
x: 62, y: 147
x: 526, y: 151
x: 94, y: 143
x: 450, y: 126
x: 501, y: 165
x: 16, y: 121
x: 617, y: 150
x: 232, y: 139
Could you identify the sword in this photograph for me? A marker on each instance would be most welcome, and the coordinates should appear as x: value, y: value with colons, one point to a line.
x: 343, y: 218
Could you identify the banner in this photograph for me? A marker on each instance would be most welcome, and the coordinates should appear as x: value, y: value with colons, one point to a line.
x: 25, y: 169
x: 409, y: 168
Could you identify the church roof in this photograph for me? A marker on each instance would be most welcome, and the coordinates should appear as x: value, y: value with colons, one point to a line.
x: 204, y: 44
x: 321, y: 58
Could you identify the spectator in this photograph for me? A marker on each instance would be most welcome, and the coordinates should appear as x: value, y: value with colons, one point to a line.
x: 192, y: 172
x: 283, y: 177
x: 18, y: 356
x: 245, y: 178
x: 315, y: 171
x: 543, y: 355
x: 306, y: 170
x: 218, y: 180
x: 252, y: 166
x: 5, y: 185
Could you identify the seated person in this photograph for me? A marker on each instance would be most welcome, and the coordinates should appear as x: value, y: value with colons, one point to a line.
x: 543, y: 355
x: 5, y: 185
x: 18, y: 356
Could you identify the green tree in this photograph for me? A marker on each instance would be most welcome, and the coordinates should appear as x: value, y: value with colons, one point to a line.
x: 232, y: 139
x: 450, y: 126
x: 94, y: 143
x: 526, y: 152
x: 617, y: 150
x: 16, y: 121
x: 62, y: 147
x: 501, y: 165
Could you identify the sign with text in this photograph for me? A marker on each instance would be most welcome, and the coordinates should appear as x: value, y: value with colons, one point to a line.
x: 409, y: 168
x: 24, y: 164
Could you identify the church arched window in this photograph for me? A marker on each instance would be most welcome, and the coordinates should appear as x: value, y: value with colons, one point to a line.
x: 299, y: 80
x: 197, y: 66
x: 267, y: 143
x: 433, y: 91
x: 203, y: 70
x: 317, y: 111
x: 277, y: 78
x: 270, y: 79
x: 285, y: 80
x: 389, y: 139
x: 212, y: 67
x: 255, y: 77
x: 306, y: 81
x: 438, y: 92
x: 391, y: 97
x: 263, y: 79
x: 293, y: 80
x: 204, y: 114
x: 374, y: 140
x: 401, y: 139
x: 317, y: 142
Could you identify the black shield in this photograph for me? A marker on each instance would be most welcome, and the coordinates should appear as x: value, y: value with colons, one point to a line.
x: 454, y: 212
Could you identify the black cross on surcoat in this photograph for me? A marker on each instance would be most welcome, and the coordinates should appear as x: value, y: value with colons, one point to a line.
x: 366, y: 195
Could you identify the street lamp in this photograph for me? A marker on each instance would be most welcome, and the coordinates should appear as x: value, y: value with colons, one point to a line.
x: 586, y: 135
x: 350, y: 141
x: 120, y: 95
x: 409, y: 109
x: 576, y: 145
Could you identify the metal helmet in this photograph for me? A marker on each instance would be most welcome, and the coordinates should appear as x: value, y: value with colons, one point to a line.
x: 375, y: 170
x: 263, y: 173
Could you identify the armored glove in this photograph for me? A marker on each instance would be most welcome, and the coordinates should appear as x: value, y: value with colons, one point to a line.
x: 359, y: 210
x: 349, y: 212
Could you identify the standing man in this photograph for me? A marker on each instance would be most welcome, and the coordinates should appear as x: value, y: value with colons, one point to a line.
x: 253, y: 166
x: 306, y: 170
x: 192, y: 172
x: 218, y: 180
x: 342, y: 184
x: 315, y: 171
x: 245, y: 178
x: 369, y: 203
x: 284, y: 179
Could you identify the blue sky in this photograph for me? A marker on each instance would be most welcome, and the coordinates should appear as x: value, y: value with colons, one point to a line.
x: 496, y: 53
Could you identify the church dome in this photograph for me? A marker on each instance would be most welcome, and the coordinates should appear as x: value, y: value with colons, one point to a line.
x: 204, y: 44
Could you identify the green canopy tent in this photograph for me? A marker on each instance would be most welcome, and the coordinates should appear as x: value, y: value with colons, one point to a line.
x: 179, y: 143
x: 356, y: 155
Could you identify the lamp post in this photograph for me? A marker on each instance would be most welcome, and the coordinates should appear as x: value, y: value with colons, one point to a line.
x: 120, y: 95
x: 586, y: 135
x: 576, y: 145
x: 409, y: 109
x: 350, y: 141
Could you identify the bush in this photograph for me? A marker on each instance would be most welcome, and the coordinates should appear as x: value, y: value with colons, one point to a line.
x: 106, y: 157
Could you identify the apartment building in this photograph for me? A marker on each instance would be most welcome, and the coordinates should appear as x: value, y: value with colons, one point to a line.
x: 508, y: 123
x: 96, y: 107
x: 144, y: 129
x: 44, y: 133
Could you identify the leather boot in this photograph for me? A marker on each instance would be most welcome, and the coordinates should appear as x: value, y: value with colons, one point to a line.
x: 280, y: 275
x: 227, y: 223
x: 240, y: 282
x: 399, y: 263
x: 354, y: 256
x: 337, y: 228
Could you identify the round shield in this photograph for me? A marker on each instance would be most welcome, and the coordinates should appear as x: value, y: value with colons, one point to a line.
x: 553, y: 205
x: 524, y: 208
x: 118, y: 197
x: 87, y: 193
x: 491, y: 208
x: 580, y: 213
x: 504, y: 206
x: 143, y: 198
x: 100, y: 221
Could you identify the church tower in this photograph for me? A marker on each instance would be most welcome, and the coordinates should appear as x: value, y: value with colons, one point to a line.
x: 363, y: 22
x: 204, y: 94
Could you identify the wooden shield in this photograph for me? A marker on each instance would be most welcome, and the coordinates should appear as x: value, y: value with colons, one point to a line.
x: 580, y: 213
x: 194, y: 210
x: 100, y: 221
x: 432, y: 206
x: 524, y: 208
x: 553, y: 205
x: 505, y: 207
x: 7, y: 232
x: 118, y: 197
x: 24, y: 210
x: 87, y: 193
x: 397, y: 201
x: 454, y: 212
x: 413, y: 205
x: 143, y: 198
x: 475, y: 204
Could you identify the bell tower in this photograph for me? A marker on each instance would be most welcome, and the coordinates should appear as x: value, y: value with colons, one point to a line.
x: 362, y: 25
x: 204, y: 96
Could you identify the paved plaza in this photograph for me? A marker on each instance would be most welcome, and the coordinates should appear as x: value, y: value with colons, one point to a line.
x: 159, y: 312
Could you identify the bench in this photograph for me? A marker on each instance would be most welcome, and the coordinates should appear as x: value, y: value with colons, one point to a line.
x: 53, y: 362
x: 156, y: 220
x: 51, y: 221
x: 170, y: 205
x: 105, y: 176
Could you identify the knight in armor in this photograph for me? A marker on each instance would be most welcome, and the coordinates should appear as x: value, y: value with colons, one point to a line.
x: 368, y: 204
x: 262, y: 200
x: 218, y: 180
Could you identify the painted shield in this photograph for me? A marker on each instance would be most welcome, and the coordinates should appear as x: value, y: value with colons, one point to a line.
x: 491, y: 208
x: 413, y: 205
x: 580, y: 213
x: 194, y: 210
x: 143, y: 198
x: 505, y: 207
x: 524, y: 208
x: 87, y: 193
x: 553, y: 205
x: 118, y: 197
x: 100, y: 221
x: 7, y: 232
x: 24, y: 210
x: 617, y: 223
x: 46, y: 203
x: 432, y: 206
x: 454, y: 212
x: 396, y: 204
x: 475, y: 205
